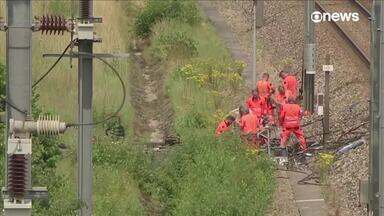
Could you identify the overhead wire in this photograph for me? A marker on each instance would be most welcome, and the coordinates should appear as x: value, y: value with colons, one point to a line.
x: 123, y: 88
x: 54, y: 64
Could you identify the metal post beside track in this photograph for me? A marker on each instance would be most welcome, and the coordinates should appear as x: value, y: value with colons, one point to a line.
x: 327, y: 68
x: 376, y: 107
x: 309, y: 57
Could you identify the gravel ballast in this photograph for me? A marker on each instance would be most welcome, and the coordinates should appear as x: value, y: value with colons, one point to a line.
x: 281, y: 40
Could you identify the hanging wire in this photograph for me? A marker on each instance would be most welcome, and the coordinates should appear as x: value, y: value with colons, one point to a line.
x: 54, y: 64
x: 24, y: 112
x: 123, y: 88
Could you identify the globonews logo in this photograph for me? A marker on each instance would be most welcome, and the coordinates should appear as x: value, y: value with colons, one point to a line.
x: 317, y: 17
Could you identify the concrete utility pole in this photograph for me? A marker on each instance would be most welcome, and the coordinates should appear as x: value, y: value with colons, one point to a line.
x: 376, y: 148
x: 85, y: 88
x: 309, y: 56
x: 19, y: 90
x: 254, y: 46
x: 327, y: 68
x: 259, y: 13
x: 258, y: 21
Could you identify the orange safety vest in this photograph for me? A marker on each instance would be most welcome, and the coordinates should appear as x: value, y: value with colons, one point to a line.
x: 257, y: 107
x: 280, y: 98
x: 264, y: 88
x: 290, y: 115
x: 250, y: 123
x: 221, y: 128
x: 290, y: 84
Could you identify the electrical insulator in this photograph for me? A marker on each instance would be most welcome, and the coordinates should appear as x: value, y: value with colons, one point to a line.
x: 49, y: 125
x: 53, y: 24
x: 17, y: 175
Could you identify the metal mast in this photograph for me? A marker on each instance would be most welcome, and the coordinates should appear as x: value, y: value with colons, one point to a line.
x: 309, y: 56
x: 85, y: 79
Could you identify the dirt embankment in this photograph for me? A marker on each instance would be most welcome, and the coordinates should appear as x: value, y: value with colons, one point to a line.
x: 153, y: 108
x: 281, y: 40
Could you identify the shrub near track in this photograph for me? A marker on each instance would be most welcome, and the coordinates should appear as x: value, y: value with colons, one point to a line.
x: 203, y: 175
x: 212, y: 176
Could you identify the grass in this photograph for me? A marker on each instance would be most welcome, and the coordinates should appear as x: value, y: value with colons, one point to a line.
x: 58, y: 94
x: 204, y: 175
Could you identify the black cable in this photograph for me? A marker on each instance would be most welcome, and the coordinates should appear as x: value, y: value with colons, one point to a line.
x: 54, y: 64
x: 122, y: 87
x: 25, y: 113
x: 40, y: 79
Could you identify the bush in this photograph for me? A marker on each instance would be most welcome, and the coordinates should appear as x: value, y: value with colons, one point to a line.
x: 185, y: 11
x: 212, y: 75
x: 208, y: 176
x: 172, y: 39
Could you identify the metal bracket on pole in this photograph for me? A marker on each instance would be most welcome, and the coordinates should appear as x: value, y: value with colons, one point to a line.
x: 309, y: 58
x: 99, y: 55
x: 34, y: 193
x: 3, y: 26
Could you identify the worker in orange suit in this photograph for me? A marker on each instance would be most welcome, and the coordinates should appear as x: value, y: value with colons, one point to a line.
x: 290, y: 117
x: 256, y: 104
x: 268, y: 117
x: 280, y: 97
x: 250, y: 125
x: 264, y: 86
x: 290, y: 82
x: 225, y: 125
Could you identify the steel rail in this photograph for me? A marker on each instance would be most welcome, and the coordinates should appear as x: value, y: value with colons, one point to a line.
x: 361, y: 8
x: 363, y: 56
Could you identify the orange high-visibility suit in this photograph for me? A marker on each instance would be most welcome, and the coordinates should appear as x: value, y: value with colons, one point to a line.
x: 257, y: 106
x: 222, y: 127
x: 280, y: 98
x: 283, y: 98
x: 270, y: 113
x: 290, y: 117
x: 250, y: 123
x: 264, y: 88
x: 290, y: 84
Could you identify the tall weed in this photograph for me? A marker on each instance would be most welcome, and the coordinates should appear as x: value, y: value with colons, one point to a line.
x: 185, y: 11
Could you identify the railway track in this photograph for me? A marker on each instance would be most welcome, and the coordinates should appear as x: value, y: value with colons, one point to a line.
x: 362, y: 8
x: 359, y: 45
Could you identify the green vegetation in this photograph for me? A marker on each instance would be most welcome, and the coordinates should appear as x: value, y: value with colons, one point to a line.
x: 203, y: 175
x: 168, y: 43
x: 185, y: 11
x: 54, y: 158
